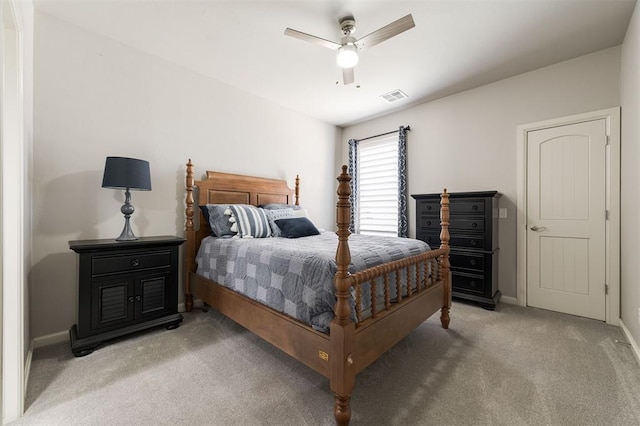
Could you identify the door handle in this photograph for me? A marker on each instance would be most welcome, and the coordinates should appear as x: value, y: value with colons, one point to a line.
x: 538, y: 228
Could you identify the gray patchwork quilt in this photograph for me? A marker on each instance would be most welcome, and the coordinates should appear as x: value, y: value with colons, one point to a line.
x: 295, y: 276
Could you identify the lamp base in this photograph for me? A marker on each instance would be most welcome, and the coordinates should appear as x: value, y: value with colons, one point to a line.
x: 127, y: 233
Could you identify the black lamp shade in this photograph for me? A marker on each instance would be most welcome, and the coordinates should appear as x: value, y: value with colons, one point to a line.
x: 126, y: 173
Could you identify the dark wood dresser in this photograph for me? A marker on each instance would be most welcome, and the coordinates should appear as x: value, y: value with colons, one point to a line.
x: 474, y: 241
x: 124, y: 287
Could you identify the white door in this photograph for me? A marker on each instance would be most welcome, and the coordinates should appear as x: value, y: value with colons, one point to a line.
x: 566, y: 208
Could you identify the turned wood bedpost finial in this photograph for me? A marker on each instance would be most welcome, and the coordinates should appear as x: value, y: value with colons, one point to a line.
x: 343, y: 255
x: 190, y: 236
x: 444, y: 262
x: 297, y: 190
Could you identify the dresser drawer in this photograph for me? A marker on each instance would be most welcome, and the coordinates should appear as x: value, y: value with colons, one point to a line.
x: 430, y: 208
x: 109, y: 264
x: 429, y: 222
x: 468, y: 242
x: 467, y: 261
x: 467, y: 206
x: 467, y: 282
x: 467, y: 224
x: 433, y: 239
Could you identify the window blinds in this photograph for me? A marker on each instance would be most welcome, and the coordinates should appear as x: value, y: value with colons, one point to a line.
x: 378, y: 186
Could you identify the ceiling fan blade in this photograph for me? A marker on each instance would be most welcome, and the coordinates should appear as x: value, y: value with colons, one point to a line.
x: 312, y: 39
x: 386, y: 32
x: 348, y: 76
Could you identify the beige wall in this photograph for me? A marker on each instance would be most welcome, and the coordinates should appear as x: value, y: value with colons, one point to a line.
x: 95, y: 97
x: 630, y: 152
x: 467, y: 142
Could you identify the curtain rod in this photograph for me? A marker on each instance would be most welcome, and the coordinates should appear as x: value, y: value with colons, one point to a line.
x: 382, y: 134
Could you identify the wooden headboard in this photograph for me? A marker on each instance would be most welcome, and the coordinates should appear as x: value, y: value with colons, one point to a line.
x: 228, y: 188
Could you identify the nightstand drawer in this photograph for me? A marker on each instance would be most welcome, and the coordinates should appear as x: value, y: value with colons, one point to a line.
x: 110, y: 264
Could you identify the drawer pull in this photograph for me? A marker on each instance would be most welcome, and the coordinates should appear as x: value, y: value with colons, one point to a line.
x: 131, y: 299
x: 474, y: 225
x: 472, y: 262
x: 473, y: 284
x: 429, y: 223
x: 428, y: 207
x: 138, y: 298
x: 135, y: 263
x: 474, y: 207
x: 473, y: 243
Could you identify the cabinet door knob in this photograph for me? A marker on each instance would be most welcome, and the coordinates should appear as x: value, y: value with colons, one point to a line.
x: 135, y: 262
x: 138, y: 298
x: 131, y: 299
x: 473, y: 262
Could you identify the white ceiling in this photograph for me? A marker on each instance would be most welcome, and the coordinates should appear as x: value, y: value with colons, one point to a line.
x: 455, y: 45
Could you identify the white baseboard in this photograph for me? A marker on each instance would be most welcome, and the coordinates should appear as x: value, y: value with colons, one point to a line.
x: 63, y: 336
x: 196, y: 304
x: 50, y: 339
x: 634, y: 345
x: 510, y: 300
x: 27, y: 369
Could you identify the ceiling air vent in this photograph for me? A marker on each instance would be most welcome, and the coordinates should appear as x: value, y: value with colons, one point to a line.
x: 394, y: 96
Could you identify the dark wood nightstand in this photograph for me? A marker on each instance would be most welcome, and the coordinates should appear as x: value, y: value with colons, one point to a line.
x: 124, y: 287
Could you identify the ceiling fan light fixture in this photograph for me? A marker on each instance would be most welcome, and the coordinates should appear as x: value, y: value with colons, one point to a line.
x: 347, y: 56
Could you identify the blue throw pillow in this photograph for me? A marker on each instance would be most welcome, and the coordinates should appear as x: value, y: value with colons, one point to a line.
x: 276, y: 214
x: 296, y: 227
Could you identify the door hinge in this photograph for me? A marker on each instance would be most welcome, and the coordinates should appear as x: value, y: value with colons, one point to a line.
x: 606, y: 215
x: 608, y: 139
x: 606, y: 288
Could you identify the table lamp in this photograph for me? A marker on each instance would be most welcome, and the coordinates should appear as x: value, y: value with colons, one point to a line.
x: 126, y: 173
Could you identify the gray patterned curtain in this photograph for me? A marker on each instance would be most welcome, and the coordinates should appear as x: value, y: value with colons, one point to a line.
x: 353, y: 172
x: 402, y: 182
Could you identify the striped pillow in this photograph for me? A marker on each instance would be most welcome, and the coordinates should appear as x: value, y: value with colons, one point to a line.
x: 252, y: 221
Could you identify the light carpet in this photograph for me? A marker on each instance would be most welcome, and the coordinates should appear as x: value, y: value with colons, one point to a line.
x: 511, y: 366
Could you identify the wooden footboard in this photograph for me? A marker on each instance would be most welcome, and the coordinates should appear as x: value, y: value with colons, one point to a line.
x: 349, y: 347
x: 353, y: 347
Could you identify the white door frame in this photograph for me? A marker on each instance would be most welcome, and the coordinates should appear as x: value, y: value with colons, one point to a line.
x: 612, y: 261
x: 12, y: 280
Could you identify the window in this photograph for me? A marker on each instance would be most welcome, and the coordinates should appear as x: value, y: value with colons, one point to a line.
x: 378, y: 186
x: 377, y: 166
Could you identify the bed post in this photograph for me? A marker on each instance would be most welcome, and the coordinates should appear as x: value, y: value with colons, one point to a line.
x: 342, y: 333
x: 297, y: 190
x: 190, y: 235
x: 444, y: 261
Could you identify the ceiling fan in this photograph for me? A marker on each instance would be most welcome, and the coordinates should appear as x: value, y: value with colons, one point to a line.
x: 349, y: 46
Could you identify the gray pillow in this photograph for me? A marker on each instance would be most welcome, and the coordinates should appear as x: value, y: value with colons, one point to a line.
x: 218, y: 222
x: 279, y: 206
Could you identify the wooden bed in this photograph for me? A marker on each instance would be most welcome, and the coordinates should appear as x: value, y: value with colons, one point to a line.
x: 349, y: 347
